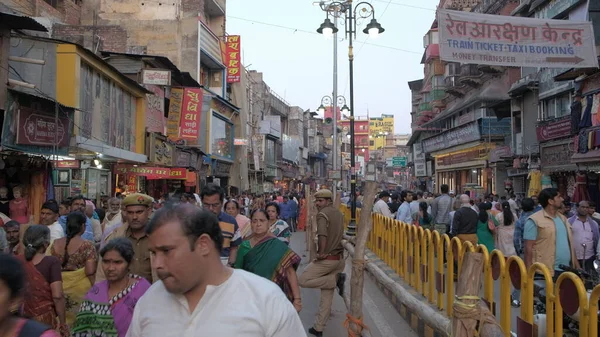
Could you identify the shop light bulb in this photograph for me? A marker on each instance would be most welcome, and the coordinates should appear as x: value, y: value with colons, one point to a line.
x: 99, y: 166
x: 96, y: 162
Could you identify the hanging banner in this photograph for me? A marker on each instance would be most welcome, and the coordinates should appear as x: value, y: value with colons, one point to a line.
x: 502, y: 40
x: 233, y: 58
x: 190, y: 113
x: 176, y: 100
x: 152, y: 173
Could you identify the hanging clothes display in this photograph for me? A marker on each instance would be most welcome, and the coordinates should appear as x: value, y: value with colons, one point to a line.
x: 586, y: 118
x: 561, y: 184
x: 581, y: 191
x: 546, y: 182
x: 592, y: 185
x: 595, y: 110
x: 571, y: 184
x: 583, y: 142
x: 575, y: 115
x: 535, y: 183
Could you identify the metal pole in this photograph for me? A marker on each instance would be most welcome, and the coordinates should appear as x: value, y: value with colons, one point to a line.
x: 334, y: 99
x: 350, y: 26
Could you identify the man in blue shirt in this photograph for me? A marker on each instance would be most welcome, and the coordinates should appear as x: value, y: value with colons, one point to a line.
x: 213, y: 197
x: 78, y: 205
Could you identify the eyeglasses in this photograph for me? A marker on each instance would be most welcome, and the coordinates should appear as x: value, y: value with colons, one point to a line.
x: 217, y: 205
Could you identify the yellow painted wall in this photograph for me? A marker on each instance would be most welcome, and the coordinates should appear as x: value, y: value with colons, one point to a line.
x: 378, y: 125
x: 68, y: 84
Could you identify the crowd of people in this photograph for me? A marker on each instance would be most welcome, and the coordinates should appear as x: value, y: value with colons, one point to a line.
x: 136, y: 266
x: 541, y: 228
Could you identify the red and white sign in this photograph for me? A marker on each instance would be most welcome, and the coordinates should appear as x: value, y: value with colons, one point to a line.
x: 190, y: 113
x: 233, y: 59
x: 67, y: 164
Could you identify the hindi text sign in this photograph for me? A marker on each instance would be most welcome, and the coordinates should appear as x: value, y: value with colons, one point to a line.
x: 233, y: 58
x: 190, y: 113
x: 515, y: 41
x: 156, y: 77
x: 40, y: 128
x: 176, y: 101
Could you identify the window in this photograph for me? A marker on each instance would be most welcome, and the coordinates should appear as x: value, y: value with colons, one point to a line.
x: 557, y: 106
x: 221, y: 136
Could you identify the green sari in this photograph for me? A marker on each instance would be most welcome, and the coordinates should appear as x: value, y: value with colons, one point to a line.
x: 270, y: 258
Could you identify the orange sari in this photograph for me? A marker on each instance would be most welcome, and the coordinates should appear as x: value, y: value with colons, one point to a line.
x: 38, y: 303
x: 302, y: 217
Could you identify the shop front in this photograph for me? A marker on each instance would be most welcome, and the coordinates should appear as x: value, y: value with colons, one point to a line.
x: 149, y: 179
x: 557, y: 170
x: 220, y: 140
x: 465, y: 170
x: 30, y: 135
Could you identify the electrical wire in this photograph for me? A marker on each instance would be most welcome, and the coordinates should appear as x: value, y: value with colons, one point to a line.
x: 315, y: 33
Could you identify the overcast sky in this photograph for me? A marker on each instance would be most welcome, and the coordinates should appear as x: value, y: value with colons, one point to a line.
x: 279, y: 39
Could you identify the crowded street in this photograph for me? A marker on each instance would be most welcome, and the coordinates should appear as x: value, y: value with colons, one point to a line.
x: 306, y: 168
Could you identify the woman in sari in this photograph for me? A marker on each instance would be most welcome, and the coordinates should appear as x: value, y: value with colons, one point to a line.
x: 108, y: 307
x: 233, y: 208
x: 43, y: 300
x: 278, y: 227
x: 78, y: 259
x: 13, y: 279
x: 270, y: 258
x: 302, y: 217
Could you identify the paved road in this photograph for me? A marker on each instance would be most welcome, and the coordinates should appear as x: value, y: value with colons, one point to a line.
x: 380, y: 316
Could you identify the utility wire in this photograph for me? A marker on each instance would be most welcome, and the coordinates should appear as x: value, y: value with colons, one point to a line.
x: 315, y: 33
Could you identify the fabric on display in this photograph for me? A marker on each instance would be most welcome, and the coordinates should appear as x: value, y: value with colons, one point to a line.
x: 546, y: 182
x: 535, y: 183
x: 592, y: 185
x: 575, y: 116
x: 586, y: 118
x: 581, y: 191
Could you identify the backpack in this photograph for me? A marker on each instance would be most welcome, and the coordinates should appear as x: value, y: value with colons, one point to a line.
x: 33, y: 328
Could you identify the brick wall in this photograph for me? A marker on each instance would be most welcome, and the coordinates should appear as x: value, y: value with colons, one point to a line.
x: 112, y: 38
x: 192, y: 8
x: 25, y: 7
x: 71, y: 12
x: 44, y: 9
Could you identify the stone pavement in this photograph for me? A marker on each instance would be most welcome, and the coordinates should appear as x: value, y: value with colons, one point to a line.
x: 380, y: 315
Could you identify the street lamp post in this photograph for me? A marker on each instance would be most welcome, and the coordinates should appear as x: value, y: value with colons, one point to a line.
x: 334, y: 103
x: 362, y: 10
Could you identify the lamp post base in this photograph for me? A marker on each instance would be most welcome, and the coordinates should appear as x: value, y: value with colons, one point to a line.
x: 351, y: 231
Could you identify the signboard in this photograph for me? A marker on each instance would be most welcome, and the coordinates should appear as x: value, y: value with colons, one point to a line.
x: 553, y: 130
x: 190, y: 113
x: 461, y: 157
x: 152, y: 173
x: 399, y: 161
x: 335, y: 175
x: 514, y: 41
x: 155, y: 109
x: 72, y: 164
x: 556, y: 154
x: 159, y: 150
x: 40, y: 128
x: 240, y: 141
x: 156, y: 77
x: 457, y: 136
x: 419, y: 161
x: 176, y: 100
x: 233, y: 58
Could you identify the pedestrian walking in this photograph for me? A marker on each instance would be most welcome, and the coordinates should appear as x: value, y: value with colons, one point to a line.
x: 197, y: 294
x: 325, y: 272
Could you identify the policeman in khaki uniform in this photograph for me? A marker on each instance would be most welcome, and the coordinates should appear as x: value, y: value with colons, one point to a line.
x: 137, y: 208
x: 325, y: 272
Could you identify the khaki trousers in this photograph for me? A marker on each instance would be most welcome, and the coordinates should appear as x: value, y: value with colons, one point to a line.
x: 322, y: 275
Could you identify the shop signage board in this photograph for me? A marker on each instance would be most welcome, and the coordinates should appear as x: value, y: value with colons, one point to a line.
x: 419, y: 160
x: 174, y: 119
x: 152, y: 173
x: 557, y: 154
x: 40, y: 128
x: 160, y: 150
x: 399, y: 161
x: 461, y: 157
x: 155, y: 109
x: 553, y: 130
x: 183, y: 159
x: 220, y: 168
x: 72, y: 164
x: 499, y: 152
x: 156, y: 77
x: 461, y: 135
x: 190, y: 113
x: 501, y: 40
x: 233, y: 58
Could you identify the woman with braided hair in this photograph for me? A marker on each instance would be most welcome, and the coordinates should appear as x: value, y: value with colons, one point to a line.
x: 43, y: 298
x: 78, y: 260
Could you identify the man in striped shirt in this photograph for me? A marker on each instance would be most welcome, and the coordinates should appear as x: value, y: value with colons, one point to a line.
x: 213, y: 197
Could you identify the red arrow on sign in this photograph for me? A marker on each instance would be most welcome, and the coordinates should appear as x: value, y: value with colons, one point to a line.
x: 575, y: 59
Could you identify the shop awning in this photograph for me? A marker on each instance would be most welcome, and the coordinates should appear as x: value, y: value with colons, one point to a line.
x: 111, y: 151
x: 588, y: 157
x: 15, y: 21
x: 573, y: 73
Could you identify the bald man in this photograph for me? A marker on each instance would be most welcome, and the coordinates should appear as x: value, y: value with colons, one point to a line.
x: 464, y: 223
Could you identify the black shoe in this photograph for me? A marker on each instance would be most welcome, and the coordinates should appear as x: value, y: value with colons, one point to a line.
x: 341, y: 283
x: 312, y: 331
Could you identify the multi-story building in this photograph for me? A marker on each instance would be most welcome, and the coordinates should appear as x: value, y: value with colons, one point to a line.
x: 379, y: 130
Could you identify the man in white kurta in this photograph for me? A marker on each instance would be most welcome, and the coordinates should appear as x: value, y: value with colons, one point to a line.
x: 197, y: 295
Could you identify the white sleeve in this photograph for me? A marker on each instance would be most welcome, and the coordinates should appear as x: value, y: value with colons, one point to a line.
x: 281, y: 318
x: 135, y: 329
x: 56, y: 232
x: 386, y: 211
